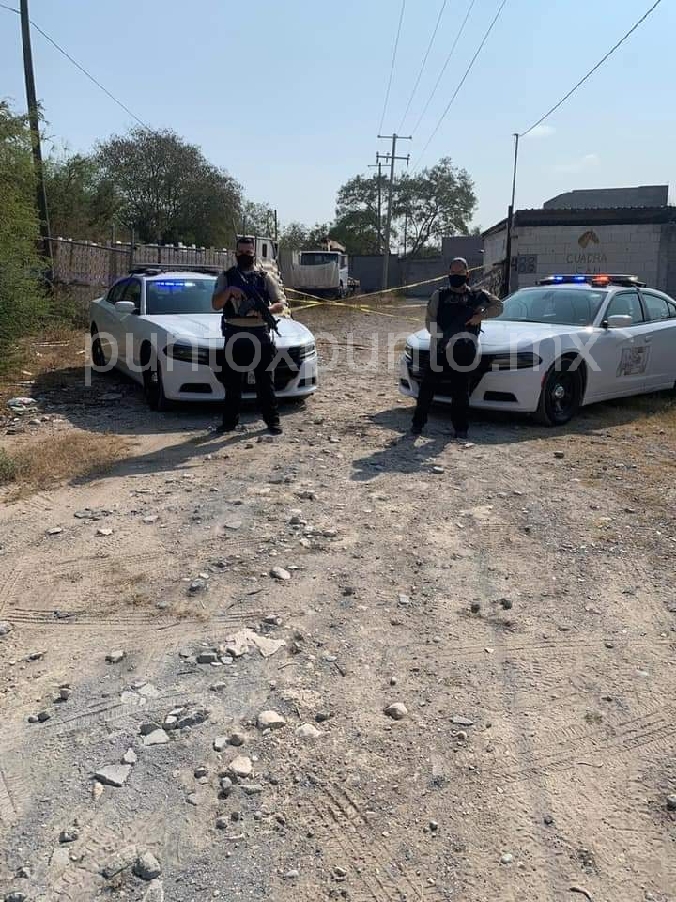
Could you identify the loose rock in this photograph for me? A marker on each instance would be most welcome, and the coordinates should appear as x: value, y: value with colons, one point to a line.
x: 157, y: 737
x: 207, y: 657
x: 507, y: 858
x: 397, y: 711
x: 129, y: 757
x: 280, y: 573
x: 114, y: 657
x: 308, y: 731
x: 671, y: 803
x: 237, y: 739
x: 241, y: 766
x: 147, y: 867
x: 220, y: 743
x: 68, y: 836
x: 113, y: 775
x: 5, y: 628
x: 200, y: 772
x: 270, y: 720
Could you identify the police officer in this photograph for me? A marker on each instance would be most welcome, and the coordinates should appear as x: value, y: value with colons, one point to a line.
x: 453, y: 319
x: 248, y: 343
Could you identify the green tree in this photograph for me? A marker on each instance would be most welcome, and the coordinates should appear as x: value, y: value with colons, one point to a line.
x: 168, y: 190
x: 257, y: 219
x: 22, y: 301
x: 294, y: 237
x: 82, y: 202
x: 356, y: 224
x: 436, y: 202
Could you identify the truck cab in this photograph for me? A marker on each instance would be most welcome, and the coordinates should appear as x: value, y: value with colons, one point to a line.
x: 332, y: 279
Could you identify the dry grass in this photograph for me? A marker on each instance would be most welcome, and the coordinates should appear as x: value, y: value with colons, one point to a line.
x: 59, y: 349
x: 40, y: 465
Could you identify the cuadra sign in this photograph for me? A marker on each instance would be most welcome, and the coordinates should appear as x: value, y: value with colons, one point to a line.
x: 588, y: 263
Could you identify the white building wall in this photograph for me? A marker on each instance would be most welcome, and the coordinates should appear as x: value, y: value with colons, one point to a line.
x: 547, y: 250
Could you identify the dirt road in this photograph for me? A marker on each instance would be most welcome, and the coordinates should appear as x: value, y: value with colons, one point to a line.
x: 519, y: 604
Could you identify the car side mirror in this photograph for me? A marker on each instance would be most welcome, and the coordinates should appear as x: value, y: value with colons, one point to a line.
x: 619, y: 321
x: 125, y: 307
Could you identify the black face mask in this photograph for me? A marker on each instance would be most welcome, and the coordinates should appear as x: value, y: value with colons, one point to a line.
x: 245, y: 261
x: 457, y: 280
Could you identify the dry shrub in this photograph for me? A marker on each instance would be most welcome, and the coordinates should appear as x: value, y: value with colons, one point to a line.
x: 31, y: 358
x: 59, y: 458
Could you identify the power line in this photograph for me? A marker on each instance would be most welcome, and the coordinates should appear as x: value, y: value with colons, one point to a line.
x: 78, y: 66
x: 464, y: 77
x: 424, y: 63
x: 394, y: 59
x: 445, y: 66
x: 591, y: 71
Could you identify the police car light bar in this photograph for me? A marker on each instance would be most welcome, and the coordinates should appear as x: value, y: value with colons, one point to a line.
x: 595, y: 279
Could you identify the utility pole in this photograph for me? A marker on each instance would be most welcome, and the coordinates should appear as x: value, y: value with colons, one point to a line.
x: 388, y: 228
x: 276, y: 227
x: 34, y: 122
x: 510, y: 219
x: 379, y: 165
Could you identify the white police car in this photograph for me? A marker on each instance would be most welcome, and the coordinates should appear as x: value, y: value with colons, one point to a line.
x: 569, y: 341
x: 159, y: 327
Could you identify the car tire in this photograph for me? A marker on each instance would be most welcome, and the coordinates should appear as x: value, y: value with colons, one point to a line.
x: 153, y: 383
x: 98, y: 356
x: 562, y: 391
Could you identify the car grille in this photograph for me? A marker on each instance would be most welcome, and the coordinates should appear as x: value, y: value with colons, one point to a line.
x: 419, y: 360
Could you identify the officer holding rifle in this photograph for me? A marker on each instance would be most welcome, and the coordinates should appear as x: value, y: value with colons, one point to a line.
x: 248, y: 298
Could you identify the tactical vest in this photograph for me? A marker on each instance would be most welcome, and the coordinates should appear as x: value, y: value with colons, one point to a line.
x: 452, y: 314
x: 255, y: 278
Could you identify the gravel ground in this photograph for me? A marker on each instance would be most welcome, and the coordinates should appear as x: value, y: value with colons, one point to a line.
x: 465, y: 653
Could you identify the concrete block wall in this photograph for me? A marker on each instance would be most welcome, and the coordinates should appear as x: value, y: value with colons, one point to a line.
x: 631, y: 249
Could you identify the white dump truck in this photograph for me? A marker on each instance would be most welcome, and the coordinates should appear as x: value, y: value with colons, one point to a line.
x: 323, y: 273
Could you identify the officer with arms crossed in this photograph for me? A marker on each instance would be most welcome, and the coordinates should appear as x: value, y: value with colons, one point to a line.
x: 453, y: 319
x: 248, y: 343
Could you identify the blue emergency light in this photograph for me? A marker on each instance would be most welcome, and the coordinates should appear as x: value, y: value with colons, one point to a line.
x: 597, y: 280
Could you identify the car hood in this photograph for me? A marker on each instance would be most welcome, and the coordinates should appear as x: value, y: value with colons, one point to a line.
x: 500, y: 335
x: 205, y: 329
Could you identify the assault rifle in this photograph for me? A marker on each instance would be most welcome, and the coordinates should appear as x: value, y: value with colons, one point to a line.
x: 256, y: 301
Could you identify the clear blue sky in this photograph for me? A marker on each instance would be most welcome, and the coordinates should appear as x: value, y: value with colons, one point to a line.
x: 287, y: 96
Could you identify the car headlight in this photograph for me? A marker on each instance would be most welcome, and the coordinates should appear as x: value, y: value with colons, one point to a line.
x: 188, y: 353
x: 519, y: 360
x: 308, y: 350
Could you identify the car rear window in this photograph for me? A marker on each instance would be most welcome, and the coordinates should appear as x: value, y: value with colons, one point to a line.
x: 168, y: 296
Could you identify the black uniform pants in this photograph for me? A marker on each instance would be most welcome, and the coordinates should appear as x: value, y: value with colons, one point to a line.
x: 244, y: 351
x: 456, y: 369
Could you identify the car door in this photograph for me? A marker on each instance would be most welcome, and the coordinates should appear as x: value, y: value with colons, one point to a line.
x: 127, y: 331
x: 108, y: 320
x: 620, y: 355
x: 660, y: 311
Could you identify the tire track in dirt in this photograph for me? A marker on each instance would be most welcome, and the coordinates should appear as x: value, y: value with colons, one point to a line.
x: 649, y: 732
x: 349, y: 837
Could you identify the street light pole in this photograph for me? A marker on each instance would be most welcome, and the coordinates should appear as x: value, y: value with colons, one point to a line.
x: 510, y: 220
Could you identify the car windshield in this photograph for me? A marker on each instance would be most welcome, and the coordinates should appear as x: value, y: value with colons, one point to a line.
x: 555, y: 305
x: 318, y: 259
x: 167, y: 296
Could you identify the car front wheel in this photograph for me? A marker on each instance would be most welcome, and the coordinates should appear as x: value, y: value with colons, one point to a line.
x: 153, y: 386
x: 98, y: 356
x: 561, y: 393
